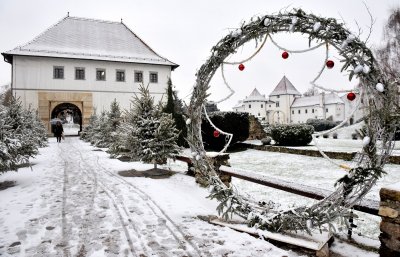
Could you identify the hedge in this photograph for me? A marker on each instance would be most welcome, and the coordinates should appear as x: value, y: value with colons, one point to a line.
x: 292, y: 134
x: 236, y: 123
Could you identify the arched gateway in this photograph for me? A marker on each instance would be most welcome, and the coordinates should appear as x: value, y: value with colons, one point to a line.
x: 69, y: 114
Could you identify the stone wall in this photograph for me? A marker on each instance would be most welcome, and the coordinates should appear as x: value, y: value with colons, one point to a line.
x: 256, y: 131
x: 390, y: 225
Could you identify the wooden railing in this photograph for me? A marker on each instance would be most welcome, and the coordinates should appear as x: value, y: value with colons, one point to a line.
x: 366, y: 205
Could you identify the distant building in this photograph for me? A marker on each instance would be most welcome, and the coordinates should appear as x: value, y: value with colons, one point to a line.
x: 322, y: 106
x: 78, y: 65
x: 283, y: 95
x: 255, y: 104
x: 286, y: 105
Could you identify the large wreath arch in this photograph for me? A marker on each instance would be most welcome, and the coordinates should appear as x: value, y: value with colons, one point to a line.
x: 381, y: 117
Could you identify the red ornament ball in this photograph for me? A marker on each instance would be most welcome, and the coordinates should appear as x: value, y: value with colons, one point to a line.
x: 241, y: 67
x: 330, y: 64
x: 285, y: 55
x: 216, y: 133
x: 351, y: 96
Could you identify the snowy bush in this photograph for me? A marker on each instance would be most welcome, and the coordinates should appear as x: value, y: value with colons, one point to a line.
x: 321, y: 125
x: 292, y: 134
x: 236, y: 123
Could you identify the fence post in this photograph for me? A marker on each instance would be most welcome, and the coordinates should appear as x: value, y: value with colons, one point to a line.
x: 390, y: 225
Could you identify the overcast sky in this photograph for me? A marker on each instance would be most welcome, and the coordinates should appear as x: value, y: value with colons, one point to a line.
x: 184, y: 31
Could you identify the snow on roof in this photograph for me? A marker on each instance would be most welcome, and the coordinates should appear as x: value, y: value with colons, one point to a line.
x: 82, y: 38
x: 255, y: 96
x: 285, y: 87
x: 330, y: 98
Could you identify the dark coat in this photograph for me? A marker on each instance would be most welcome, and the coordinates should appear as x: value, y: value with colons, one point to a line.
x: 58, y: 130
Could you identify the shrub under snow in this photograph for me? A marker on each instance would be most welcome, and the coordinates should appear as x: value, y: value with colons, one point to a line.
x: 292, y: 134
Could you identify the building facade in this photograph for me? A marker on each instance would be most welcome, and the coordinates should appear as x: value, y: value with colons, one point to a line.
x: 286, y: 105
x: 80, y: 65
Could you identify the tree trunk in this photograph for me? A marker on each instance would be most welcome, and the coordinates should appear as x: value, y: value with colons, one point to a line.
x: 155, y: 165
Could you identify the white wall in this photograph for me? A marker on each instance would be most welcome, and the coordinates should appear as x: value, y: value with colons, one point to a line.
x: 336, y: 111
x: 37, y: 73
x: 285, y: 101
x: 257, y: 108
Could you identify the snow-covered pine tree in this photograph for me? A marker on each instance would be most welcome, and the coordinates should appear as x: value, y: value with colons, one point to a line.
x: 155, y: 131
x: 41, y: 130
x: 113, y: 120
x: 35, y: 125
x: 87, y: 131
x: 9, y: 146
x: 96, y: 135
x: 125, y: 142
x: 18, y: 136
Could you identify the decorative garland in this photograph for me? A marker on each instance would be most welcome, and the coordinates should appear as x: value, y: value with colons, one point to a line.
x: 379, y: 98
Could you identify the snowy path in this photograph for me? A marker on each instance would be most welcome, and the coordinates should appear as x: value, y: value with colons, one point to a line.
x: 73, y: 203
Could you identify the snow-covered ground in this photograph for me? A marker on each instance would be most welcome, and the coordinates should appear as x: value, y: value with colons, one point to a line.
x: 311, y: 171
x: 73, y: 203
x: 342, y: 145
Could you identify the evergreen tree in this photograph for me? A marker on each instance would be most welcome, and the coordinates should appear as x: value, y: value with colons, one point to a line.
x: 87, y: 131
x: 174, y: 107
x: 112, y: 121
x: 96, y: 135
x: 21, y: 134
x: 153, y: 133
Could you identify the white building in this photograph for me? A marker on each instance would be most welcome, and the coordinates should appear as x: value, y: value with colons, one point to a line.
x: 80, y: 64
x: 322, y: 106
x: 286, y: 105
x: 255, y: 104
x: 283, y: 96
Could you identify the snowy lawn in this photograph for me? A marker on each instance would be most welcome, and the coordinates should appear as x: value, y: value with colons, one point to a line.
x: 342, y: 145
x: 73, y: 203
x: 311, y: 171
x: 334, y: 145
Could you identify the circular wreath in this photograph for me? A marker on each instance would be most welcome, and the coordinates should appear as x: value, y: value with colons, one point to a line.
x: 381, y: 117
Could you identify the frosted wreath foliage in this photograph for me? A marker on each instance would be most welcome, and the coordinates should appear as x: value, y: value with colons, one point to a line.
x: 381, y: 115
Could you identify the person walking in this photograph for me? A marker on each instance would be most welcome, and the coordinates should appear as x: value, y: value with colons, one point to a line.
x: 58, y: 131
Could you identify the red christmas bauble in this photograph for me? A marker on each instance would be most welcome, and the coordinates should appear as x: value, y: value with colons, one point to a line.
x: 216, y: 133
x: 351, y: 96
x: 241, y: 67
x: 330, y: 64
x: 285, y: 55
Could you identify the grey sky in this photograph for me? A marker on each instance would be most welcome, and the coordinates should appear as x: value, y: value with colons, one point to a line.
x: 184, y: 31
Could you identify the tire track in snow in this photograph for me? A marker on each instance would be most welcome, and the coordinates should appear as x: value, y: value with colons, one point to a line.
x: 117, y: 206
x: 157, y: 211
x: 64, y: 234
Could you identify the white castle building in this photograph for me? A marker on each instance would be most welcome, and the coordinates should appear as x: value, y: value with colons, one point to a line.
x: 286, y: 105
x: 81, y: 64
